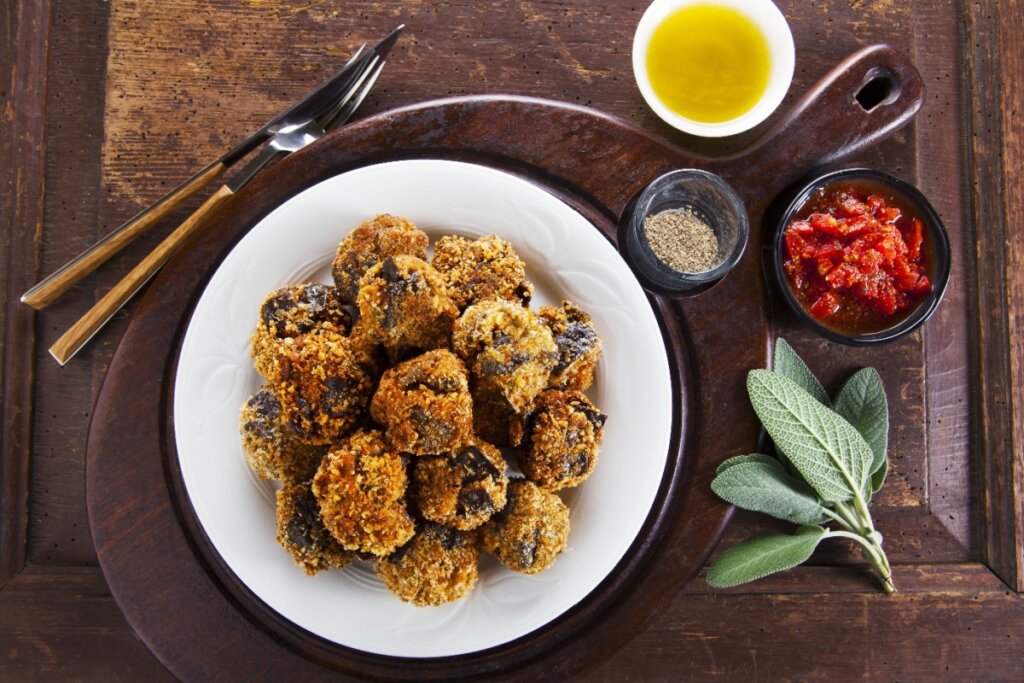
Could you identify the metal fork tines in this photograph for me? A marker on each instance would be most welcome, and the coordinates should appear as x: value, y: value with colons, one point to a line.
x: 297, y: 136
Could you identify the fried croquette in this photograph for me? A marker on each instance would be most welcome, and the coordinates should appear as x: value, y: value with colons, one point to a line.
x: 370, y: 243
x: 360, y: 487
x: 404, y: 303
x: 301, y: 532
x: 425, y: 404
x: 484, y: 268
x: 509, y: 352
x: 271, y: 448
x: 561, y: 442
x: 532, y: 529
x: 293, y: 311
x: 439, y: 565
x: 324, y: 381
x: 461, y: 490
x: 579, y: 347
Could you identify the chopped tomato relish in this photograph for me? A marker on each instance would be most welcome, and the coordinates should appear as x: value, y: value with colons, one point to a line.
x: 855, y: 259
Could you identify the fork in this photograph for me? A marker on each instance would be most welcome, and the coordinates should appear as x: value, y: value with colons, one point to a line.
x: 284, y: 142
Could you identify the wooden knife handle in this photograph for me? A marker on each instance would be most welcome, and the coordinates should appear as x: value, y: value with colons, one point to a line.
x: 44, y: 293
x: 89, y: 324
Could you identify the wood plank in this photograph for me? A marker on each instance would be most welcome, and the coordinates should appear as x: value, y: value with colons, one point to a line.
x: 955, y: 578
x: 58, y: 527
x: 25, y: 31
x: 1011, y: 69
x: 940, y: 159
x: 995, y: 391
x: 60, y: 624
x: 973, y: 635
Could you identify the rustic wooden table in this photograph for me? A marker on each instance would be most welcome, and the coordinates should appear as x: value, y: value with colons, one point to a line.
x: 107, y: 105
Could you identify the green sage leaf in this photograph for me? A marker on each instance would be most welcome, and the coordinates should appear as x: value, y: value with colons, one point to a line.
x: 788, y: 364
x: 740, y: 459
x: 861, y: 400
x: 878, y: 476
x: 827, y: 451
x: 760, y: 556
x: 765, y: 486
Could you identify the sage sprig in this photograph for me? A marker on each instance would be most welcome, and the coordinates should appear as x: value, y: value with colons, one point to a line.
x: 832, y: 459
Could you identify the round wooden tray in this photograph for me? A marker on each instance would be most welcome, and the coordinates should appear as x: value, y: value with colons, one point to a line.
x: 172, y: 586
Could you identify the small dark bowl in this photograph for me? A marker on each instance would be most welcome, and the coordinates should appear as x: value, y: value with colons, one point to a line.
x: 708, y: 196
x: 936, y: 240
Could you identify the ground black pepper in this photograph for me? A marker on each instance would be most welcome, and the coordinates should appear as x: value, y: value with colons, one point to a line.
x: 682, y: 240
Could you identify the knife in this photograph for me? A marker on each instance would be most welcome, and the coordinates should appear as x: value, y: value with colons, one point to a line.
x: 291, y: 134
x: 312, y: 103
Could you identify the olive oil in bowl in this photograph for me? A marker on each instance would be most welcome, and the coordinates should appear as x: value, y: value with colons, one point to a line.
x: 713, y: 67
x: 708, y: 63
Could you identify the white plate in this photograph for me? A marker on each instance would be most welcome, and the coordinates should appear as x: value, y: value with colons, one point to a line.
x: 565, y: 257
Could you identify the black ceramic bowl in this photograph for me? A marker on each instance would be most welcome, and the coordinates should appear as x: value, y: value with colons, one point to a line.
x: 709, y: 197
x: 936, y: 245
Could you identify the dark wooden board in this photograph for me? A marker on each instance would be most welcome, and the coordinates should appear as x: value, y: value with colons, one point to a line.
x: 107, y: 105
x: 558, y: 147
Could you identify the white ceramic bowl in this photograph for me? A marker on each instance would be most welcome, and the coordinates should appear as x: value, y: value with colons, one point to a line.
x: 767, y: 17
x: 566, y: 257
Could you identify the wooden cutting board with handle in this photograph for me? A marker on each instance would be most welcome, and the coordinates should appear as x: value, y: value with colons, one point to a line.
x: 203, y: 624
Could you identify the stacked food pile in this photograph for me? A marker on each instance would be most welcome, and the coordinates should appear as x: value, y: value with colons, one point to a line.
x: 390, y: 395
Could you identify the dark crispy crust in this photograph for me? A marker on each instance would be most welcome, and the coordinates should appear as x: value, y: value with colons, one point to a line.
x: 292, y: 312
x: 509, y: 352
x: 461, y: 490
x: 324, y: 381
x: 439, y: 565
x: 579, y: 347
x: 531, y: 531
x: 563, y: 434
x: 403, y: 303
x: 360, y: 487
x: 425, y: 405
x: 303, y: 535
x: 271, y: 448
x: 371, y: 242
x: 485, y: 268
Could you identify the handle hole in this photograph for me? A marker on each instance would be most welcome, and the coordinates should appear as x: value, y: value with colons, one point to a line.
x: 881, y: 88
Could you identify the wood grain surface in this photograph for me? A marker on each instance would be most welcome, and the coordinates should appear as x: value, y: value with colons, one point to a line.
x: 51, y: 287
x: 106, y: 106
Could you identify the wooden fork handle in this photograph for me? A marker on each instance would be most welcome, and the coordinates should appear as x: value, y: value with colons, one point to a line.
x: 44, y: 293
x: 89, y: 324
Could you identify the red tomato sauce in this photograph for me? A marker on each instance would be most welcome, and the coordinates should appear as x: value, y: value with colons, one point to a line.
x: 856, y: 257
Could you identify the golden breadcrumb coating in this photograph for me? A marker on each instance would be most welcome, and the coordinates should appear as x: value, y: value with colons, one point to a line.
x: 509, y: 352
x: 360, y: 487
x: 461, y: 490
x: 579, y: 347
x: 293, y: 311
x: 484, y: 268
x: 403, y: 303
x: 371, y: 242
x: 467, y: 368
x: 303, y: 535
x: 532, y: 529
x: 324, y: 381
x: 562, y: 437
x: 271, y: 448
x: 425, y: 405
x: 439, y: 565
x: 495, y: 421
